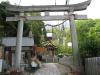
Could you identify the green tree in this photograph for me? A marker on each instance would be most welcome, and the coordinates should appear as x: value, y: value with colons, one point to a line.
x: 36, y: 27
x: 88, y: 37
x: 9, y: 29
x: 60, y: 39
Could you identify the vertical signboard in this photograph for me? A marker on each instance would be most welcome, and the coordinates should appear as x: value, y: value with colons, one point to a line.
x: 0, y: 65
x: 1, y: 54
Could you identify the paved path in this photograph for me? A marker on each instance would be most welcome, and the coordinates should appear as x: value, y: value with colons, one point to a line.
x: 51, y: 69
x: 48, y: 69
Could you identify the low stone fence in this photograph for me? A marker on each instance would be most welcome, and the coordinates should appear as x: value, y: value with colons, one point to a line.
x: 92, y: 66
x: 68, y: 62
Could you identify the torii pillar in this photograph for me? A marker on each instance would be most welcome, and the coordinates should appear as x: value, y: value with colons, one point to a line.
x: 76, y: 57
x: 19, y: 41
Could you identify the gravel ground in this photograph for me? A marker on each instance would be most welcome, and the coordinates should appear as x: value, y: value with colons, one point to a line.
x: 64, y: 70
x: 51, y: 69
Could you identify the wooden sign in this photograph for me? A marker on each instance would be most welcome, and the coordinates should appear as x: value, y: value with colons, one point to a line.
x: 40, y: 49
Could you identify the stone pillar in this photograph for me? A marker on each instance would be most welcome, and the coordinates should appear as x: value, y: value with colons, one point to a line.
x: 19, y: 41
x: 74, y: 40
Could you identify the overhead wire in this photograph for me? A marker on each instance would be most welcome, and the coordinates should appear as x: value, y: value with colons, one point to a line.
x: 7, y: 0
x: 19, y: 3
x: 67, y: 2
x: 55, y: 2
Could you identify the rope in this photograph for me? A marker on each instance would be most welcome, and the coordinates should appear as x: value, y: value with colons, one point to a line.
x: 56, y: 24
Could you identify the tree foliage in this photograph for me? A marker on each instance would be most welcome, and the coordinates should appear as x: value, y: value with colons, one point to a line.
x: 89, y: 37
x: 36, y: 27
x: 9, y: 29
x: 61, y: 39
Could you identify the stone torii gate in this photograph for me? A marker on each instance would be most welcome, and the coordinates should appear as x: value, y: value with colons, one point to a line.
x: 48, y: 8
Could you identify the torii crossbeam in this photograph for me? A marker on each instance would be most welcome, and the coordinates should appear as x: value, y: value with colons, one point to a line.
x: 50, y: 8
x: 47, y: 18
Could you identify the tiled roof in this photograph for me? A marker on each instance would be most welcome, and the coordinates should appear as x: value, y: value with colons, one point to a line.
x: 11, y: 41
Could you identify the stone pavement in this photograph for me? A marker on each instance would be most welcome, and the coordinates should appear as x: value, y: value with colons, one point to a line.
x: 51, y: 69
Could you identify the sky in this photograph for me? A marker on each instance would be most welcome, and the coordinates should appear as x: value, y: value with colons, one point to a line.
x: 93, y: 10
